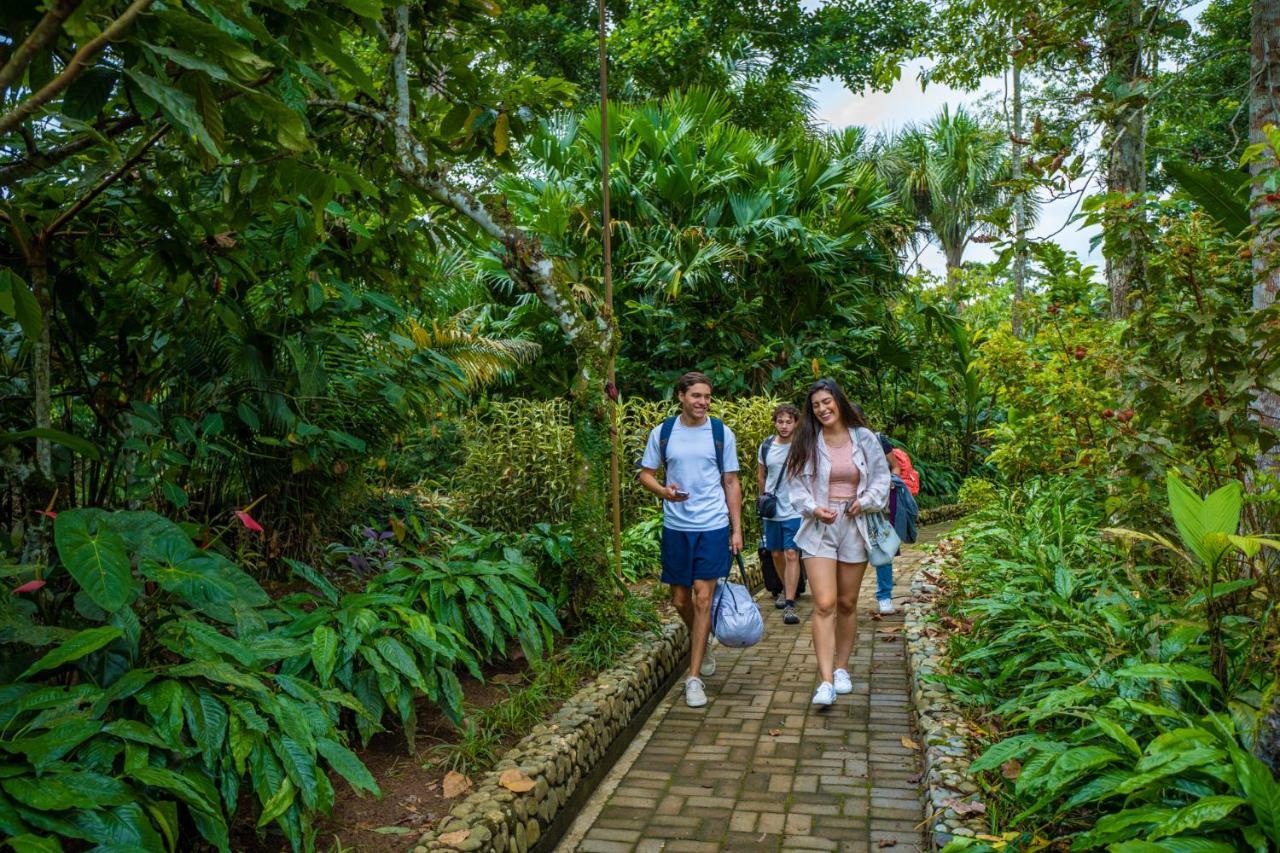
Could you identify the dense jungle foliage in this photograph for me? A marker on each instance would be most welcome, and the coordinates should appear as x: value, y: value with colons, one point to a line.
x: 308, y: 377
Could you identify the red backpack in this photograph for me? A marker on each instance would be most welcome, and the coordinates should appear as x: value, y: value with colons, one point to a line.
x: 909, y: 474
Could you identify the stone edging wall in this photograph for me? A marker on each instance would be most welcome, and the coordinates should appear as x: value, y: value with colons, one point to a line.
x: 563, y: 756
x: 948, y: 746
x: 936, y: 514
x: 559, y: 754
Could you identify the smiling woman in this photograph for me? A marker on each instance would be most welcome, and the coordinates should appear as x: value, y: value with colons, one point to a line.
x: 839, y: 476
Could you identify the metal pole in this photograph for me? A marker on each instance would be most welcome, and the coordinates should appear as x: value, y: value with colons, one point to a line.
x: 615, y: 483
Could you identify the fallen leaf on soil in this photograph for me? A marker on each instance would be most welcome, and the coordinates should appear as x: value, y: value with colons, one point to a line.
x: 1011, y: 769
x: 874, y: 615
x: 909, y: 743
x: 985, y: 837
x: 887, y: 842
x: 914, y: 780
x: 455, y: 838
x: 395, y: 830
x: 889, y: 638
x: 514, y: 779
x: 455, y: 785
x: 507, y: 678
x: 775, y: 732
x: 889, y: 629
x: 964, y: 808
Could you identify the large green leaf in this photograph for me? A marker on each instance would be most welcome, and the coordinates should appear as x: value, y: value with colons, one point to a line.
x: 278, y: 804
x: 95, y: 556
x: 324, y: 652
x: 1262, y: 790
x: 73, y: 648
x: 347, y: 765
x: 1204, y: 523
x: 178, y: 107
x: 82, y: 446
x: 42, y: 750
x: 17, y: 301
x: 1204, y: 810
x: 124, y: 828
x: 176, y: 784
x: 1220, y: 192
x: 35, y: 844
x: 300, y: 764
x: 1170, y: 671
x: 89, y: 93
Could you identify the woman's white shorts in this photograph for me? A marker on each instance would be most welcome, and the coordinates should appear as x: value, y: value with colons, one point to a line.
x: 840, y: 541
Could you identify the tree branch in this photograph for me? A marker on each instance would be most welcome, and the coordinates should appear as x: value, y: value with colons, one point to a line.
x: 74, y: 68
x: 85, y: 200
x: 43, y: 160
x: 44, y: 34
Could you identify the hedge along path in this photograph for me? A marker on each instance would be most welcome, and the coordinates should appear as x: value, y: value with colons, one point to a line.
x: 758, y: 768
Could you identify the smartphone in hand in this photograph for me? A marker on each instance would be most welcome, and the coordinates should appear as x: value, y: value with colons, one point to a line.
x: 681, y: 493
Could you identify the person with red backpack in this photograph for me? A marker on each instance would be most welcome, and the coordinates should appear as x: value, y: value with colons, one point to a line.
x: 904, y: 486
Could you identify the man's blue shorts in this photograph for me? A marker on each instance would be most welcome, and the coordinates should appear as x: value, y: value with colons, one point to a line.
x: 689, y: 555
x: 781, y: 535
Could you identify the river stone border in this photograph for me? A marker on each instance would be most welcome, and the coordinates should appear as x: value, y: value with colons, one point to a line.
x: 568, y: 754
x: 948, y: 739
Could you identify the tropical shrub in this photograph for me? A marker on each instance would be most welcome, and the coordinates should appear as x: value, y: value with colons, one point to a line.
x: 183, y: 690
x: 1060, y: 393
x: 170, y: 696
x: 976, y: 493
x: 1124, y: 696
x: 642, y: 547
x: 516, y: 473
x: 419, y: 618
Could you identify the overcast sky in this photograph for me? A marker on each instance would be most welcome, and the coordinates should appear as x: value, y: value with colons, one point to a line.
x: 907, y: 103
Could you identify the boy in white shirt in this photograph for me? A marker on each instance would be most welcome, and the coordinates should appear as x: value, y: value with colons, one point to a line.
x: 702, y: 514
x: 780, y: 527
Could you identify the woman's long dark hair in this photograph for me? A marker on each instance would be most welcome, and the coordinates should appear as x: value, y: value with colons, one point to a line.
x: 804, y: 441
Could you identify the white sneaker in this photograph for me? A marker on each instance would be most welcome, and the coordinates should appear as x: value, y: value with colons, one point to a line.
x: 695, y: 695
x: 825, y: 694
x: 708, y: 667
x: 843, y: 683
x: 887, y: 608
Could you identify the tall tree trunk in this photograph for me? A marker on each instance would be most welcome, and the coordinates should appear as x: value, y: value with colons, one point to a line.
x: 41, y: 356
x: 1264, y: 110
x: 1125, y: 148
x: 1019, y: 202
x: 955, y: 258
x: 588, y: 327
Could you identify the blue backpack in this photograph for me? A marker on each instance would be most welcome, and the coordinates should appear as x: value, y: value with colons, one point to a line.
x: 717, y: 435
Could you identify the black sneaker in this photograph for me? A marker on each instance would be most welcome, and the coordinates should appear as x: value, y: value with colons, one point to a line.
x: 780, y: 600
x: 789, y: 615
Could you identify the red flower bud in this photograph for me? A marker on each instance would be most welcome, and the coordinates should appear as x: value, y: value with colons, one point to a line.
x: 1108, y: 413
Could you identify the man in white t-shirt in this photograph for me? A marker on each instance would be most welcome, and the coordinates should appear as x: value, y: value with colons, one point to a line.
x: 780, y: 528
x: 702, y: 515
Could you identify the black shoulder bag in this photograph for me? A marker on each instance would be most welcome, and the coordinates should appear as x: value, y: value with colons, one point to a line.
x: 767, y: 504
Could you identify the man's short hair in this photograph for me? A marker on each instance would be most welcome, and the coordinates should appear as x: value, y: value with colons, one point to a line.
x: 693, y: 377
x: 786, y: 409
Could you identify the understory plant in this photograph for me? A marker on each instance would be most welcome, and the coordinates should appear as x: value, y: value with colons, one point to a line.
x: 173, y: 691
x: 162, y: 701
x: 1123, y: 695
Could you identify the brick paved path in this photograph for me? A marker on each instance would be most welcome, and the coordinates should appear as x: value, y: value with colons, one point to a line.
x: 758, y: 768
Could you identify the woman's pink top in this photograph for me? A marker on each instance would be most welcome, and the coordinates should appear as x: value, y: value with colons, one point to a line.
x: 843, y: 483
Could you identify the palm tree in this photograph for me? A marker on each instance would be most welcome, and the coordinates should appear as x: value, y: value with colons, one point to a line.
x: 709, y: 215
x: 948, y: 176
